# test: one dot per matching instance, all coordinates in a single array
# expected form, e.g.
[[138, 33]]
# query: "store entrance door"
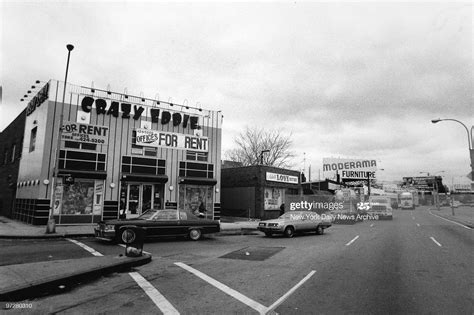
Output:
[[141, 197]]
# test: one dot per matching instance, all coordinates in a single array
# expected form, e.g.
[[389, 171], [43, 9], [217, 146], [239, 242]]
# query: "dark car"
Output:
[[155, 223]]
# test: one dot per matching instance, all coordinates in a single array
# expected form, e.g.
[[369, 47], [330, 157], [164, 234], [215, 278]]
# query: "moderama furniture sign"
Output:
[[349, 168]]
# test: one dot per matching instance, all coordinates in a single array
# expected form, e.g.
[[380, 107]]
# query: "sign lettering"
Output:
[[126, 110], [282, 178], [73, 131], [154, 138]]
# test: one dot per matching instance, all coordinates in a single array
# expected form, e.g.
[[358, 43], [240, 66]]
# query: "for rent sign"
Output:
[[73, 131], [161, 139]]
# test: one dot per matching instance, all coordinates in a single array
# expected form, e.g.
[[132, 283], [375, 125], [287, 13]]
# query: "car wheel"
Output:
[[289, 231], [128, 236], [319, 230], [195, 234], [268, 234]]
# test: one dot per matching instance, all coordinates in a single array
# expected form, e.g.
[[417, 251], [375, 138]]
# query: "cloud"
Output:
[[346, 79]]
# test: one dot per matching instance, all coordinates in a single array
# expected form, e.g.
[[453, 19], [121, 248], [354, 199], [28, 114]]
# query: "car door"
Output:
[[165, 223], [309, 222]]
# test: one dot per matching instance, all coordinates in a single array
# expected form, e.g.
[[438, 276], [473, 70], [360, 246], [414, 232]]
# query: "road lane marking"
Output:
[[290, 292], [157, 298], [124, 246], [353, 240], [224, 288], [160, 301], [466, 227], [87, 248], [436, 242]]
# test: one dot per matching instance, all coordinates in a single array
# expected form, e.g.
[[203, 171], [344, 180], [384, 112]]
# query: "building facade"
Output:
[[257, 191], [11, 148], [119, 155]]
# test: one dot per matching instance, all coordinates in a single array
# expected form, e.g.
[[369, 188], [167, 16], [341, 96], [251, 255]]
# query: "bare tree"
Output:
[[253, 141]]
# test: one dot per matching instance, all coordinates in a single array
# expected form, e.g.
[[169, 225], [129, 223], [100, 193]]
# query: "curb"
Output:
[[447, 217], [454, 219], [240, 231], [47, 236], [41, 287]]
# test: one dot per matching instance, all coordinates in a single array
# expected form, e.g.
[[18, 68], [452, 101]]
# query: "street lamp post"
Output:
[[469, 140], [51, 226]]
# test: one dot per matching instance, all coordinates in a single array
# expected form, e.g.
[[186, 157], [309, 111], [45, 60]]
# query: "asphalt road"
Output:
[[416, 263]]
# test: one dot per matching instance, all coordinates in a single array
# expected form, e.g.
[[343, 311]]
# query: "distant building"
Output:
[[257, 191], [119, 155]]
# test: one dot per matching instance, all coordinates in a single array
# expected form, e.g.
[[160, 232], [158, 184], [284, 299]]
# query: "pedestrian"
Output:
[[282, 209]]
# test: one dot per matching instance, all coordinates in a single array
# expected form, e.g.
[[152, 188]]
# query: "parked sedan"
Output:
[[294, 222], [154, 223]]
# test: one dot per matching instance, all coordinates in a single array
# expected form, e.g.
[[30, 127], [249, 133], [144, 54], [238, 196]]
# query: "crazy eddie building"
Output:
[[119, 155]]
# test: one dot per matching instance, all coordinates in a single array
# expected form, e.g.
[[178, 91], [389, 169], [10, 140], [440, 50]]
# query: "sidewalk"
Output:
[[26, 281], [15, 229], [463, 214]]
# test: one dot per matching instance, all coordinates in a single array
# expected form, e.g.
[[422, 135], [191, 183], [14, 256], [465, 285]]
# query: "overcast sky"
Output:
[[347, 79]]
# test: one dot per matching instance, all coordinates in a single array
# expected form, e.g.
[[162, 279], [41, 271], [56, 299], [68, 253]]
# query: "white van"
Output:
[[406, 200]]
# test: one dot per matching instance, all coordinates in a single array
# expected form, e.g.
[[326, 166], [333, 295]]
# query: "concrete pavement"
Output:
[[23, 281]]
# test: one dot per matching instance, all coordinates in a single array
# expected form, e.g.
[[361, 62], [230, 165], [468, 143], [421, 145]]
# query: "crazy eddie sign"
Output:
[[160, 139]]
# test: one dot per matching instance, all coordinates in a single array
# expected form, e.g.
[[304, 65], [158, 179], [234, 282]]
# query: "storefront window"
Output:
[[273, 198], [196, 199], [78, 197]]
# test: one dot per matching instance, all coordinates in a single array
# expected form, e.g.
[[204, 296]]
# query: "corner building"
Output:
[[119, 156]]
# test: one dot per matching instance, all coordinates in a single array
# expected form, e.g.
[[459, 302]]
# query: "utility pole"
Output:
[[51, 225]]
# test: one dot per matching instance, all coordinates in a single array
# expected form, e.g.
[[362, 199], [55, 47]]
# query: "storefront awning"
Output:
[[197, 181], [83, 174], [144, 178]]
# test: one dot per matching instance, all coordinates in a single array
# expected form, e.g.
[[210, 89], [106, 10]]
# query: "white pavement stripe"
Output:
[[123, 245], [160, 301], [233, 293], [353, 240], [84, 246], [287, 294], [436, 242], [466, 227]]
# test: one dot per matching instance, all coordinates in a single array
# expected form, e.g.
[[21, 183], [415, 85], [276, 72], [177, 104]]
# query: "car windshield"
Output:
[[380, 200], [149, 214], [291, 215]]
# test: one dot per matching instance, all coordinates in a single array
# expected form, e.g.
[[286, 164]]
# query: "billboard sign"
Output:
[[349, 168]]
